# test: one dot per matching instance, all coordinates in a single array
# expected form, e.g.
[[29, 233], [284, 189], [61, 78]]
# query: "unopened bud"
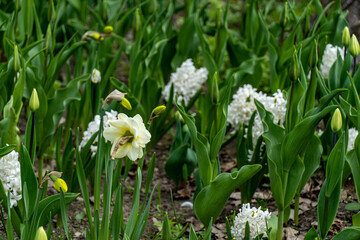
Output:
[[16, 59], [34, 101], [294, 67], [159, 109], [214, 94], [95, 76], [336, 121], [354, 48], [41, 234], [137, 19], [346, 37], [59, 183], [48, 43], [126, 104], [284, 15], [313, 55], [115, 95], [108, 29], [51, 11]]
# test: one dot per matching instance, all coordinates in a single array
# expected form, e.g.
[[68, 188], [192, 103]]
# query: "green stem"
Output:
[[32, 136], [280, 225], [40, 166], [296, 209], [98, 165]]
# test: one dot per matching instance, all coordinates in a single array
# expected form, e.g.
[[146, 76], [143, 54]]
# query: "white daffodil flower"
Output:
[[128, 136]]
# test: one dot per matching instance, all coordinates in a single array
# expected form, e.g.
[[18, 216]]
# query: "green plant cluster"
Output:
[[65, 64]]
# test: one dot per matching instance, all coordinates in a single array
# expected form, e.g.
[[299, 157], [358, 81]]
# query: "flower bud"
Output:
[[313, 55], [354, 48], [48, 43], [126, 104], [346, 37], [34, 101], [137, 19], [51, 11], [95, 76], [108, 29], [214, 93], [41, 234], [284, 15], [59, 183], [159, 109], [16, 59], [336, 121], [294, 67], [115, 95]]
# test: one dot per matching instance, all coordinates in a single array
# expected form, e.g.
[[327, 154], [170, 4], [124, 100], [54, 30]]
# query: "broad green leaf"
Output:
[[202, 147], [273, 136], [311, 160], [296, 140], [51, 206], [351, 233], [311, 234], [335, 165], [354, 163], [211, 200], [327, 208], [356, 220], [295, 173], [28, 176]]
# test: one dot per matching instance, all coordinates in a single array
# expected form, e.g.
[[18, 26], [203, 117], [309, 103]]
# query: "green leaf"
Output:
[[51, 206], [296, 140], [273, 136], [211, 200], [6, 150], [335, 165], [202, 147], [356, 220], [327, 208], [351, 233], [311, 160], [311, 234], [28, 176], [352, 206], [166, 230]]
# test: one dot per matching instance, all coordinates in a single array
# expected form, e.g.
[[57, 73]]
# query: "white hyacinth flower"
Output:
[[328, 59], [94, 126], [128, 136], [353, 133], [256, 219], [187, 80], [95, 76], [243, 106], [10, 176]]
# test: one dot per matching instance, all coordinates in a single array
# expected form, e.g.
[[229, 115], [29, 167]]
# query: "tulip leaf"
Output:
[[296, 140], [311, 160], [327, 207], [211, 200], [202, 147], [335, 165], [273, 136], [295, 173], [354, 164]]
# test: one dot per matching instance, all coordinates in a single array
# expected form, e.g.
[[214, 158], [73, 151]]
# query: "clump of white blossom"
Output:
[[10, 176], [256, 219], [328, 59], [94, 126], [187, 80], [243, 106], [353, 133]]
